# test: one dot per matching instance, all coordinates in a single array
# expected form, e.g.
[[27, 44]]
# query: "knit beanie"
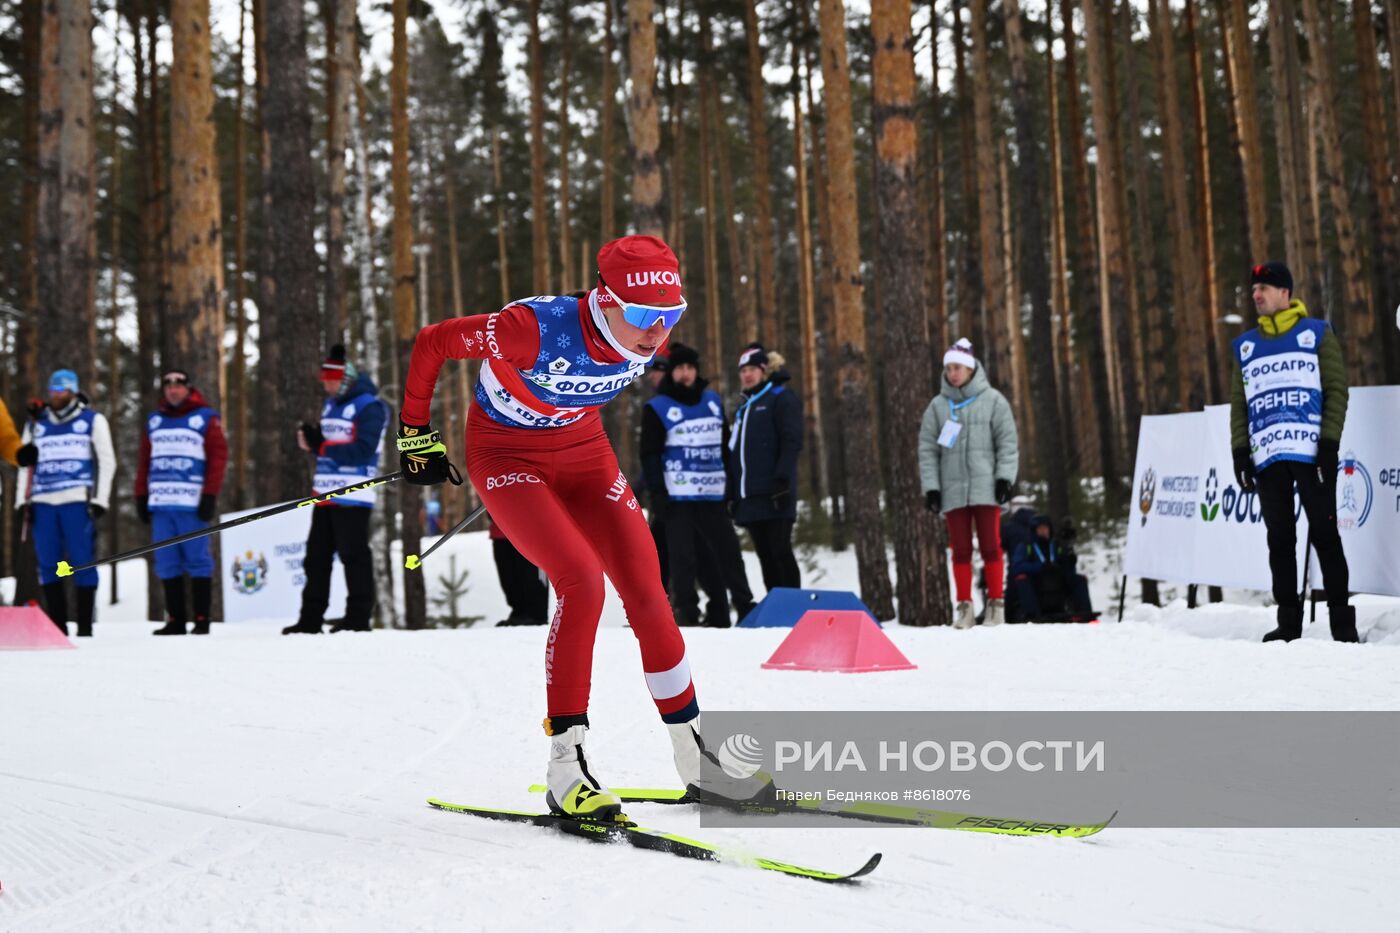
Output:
[[961, 353]]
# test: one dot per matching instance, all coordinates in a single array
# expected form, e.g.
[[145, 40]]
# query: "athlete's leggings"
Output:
[[571, 513], [988, 521]]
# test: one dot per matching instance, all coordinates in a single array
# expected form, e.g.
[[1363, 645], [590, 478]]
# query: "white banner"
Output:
[[1190, 523], [262, 570]]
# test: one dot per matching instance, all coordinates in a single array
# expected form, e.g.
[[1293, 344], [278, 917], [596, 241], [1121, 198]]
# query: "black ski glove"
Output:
[[933, 501], [1244, 469], [143, 511], [1003, 491], [207, 503], [96, 511], [27, 456], [1327, 462], [36, 408], [781, 496], [660, 503], [423, 457], [312, 435], [731, 506]]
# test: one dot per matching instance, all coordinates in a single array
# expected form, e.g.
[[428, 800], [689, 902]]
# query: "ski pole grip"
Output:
[[419, 442], [64, 569]]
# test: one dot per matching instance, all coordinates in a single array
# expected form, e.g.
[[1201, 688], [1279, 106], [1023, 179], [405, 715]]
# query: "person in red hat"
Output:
[[547, 473]]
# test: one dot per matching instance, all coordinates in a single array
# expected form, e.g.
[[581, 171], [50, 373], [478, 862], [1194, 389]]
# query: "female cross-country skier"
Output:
[[547, 473]]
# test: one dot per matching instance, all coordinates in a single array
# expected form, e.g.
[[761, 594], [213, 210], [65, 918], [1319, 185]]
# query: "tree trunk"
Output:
[[1358, 328], [819, 482], [858, 442], [1208, 311], [644, 124], [714, 345], [995, 351], [271, 407], [825, 313], [970, 285], [747, 326], [362, 229], [1035, 276], [920, 569], [766, 246], [1059, 277], [1117, 323], [606, 195], [1240, 60], [291, 190], [541, 273], [196, 320], [1384, 223], [114, 307], [405, 279], [567, 280], [935, 219], [67, 228], [1290, 134], [236, 405], [1186, 286], [340, 42], [1084, 261]]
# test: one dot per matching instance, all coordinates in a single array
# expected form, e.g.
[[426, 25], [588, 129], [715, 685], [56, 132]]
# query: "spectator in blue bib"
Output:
[[179, 472], [1288, 403], [65, 492], [347, 445], [684, 433]]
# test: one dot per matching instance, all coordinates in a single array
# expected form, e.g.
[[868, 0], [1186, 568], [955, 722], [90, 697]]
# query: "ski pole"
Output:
[[414, 561], [65, 570]]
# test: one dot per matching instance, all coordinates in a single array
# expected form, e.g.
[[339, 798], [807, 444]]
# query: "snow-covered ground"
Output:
[[248, 781]]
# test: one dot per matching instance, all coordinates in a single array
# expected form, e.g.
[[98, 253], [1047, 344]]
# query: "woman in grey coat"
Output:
[[967, 460]]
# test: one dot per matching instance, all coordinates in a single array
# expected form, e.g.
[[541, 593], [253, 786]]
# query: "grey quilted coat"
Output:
[[984, 452]]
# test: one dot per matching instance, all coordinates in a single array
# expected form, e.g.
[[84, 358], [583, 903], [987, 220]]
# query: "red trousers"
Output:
[[988, 521], [559, 496]]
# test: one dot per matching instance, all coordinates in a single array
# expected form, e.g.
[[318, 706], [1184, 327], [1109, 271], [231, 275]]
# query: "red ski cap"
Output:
[[641, 270]]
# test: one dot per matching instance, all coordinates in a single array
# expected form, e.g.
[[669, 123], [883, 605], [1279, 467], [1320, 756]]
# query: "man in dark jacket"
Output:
[[684, 432], [178, 476], [1288, 403], [1045, 574], [762, 463], [347, 445]]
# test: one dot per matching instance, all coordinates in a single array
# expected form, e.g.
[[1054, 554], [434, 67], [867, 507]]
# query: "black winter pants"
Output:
[[700, 534], [343, 530], [772, 539], [1275, 486], [525, 589]]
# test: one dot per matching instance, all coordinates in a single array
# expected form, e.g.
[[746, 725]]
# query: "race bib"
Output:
[[949, 435]]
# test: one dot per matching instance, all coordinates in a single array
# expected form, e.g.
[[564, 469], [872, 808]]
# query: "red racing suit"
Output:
[[556, 490]]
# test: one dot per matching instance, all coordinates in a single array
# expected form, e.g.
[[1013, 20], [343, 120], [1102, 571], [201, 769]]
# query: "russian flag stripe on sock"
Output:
[[667, 684]]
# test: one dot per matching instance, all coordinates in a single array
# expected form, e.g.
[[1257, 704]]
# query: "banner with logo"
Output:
[[1191, 523], [262, 573], [1368, 491]]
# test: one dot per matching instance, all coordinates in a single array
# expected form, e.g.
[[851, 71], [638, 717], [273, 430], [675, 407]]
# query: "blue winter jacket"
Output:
[[764, 442]]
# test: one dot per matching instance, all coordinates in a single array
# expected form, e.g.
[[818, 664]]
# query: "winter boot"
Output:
[[1343, 620], [56, 605], [1290, 624], [964, 617], [303, 628], [996, 612], [203, 603], [573, 790], [717, 615], [87, 608], [703, 776], [176, 613]]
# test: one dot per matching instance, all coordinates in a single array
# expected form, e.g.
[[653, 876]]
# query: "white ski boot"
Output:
[[996, 612], [573, 790], [964, 617], [704, 778]]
